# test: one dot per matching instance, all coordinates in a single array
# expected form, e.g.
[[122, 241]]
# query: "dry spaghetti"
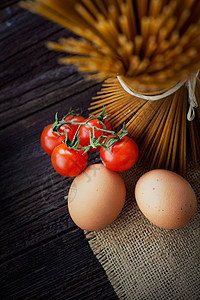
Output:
[[152, 45]]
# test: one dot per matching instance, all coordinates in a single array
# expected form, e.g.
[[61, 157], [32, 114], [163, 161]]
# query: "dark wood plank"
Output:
[[43, 190], [29, 84], [44, 255], [7, 3], [41, 199], [55, 270]]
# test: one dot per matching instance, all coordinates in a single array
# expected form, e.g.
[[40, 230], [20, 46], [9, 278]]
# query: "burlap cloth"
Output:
[[143, 261]]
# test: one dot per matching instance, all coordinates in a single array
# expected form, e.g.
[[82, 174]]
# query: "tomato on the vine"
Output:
[[76, 119], [124, 154], [49, 139], [84, 132], [68, 162]]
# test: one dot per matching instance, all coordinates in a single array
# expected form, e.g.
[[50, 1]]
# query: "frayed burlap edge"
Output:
[[104, 261], [101, 243]]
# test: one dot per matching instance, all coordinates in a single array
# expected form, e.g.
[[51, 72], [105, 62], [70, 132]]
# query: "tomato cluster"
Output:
[[69, 140]]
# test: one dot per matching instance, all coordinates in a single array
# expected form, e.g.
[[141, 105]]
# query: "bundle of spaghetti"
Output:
[[151, 45], [160, 127], [146, 40]]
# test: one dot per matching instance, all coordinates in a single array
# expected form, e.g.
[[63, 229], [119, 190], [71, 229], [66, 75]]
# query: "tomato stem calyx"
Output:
[[72, 113], [110, 141], [57, 125], [101, 117], [74, 144]]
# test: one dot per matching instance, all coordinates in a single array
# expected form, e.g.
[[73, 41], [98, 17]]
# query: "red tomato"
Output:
[[108, 127], [68, 162], [49, 139], [77, 119], [124, 155], [84, 132]]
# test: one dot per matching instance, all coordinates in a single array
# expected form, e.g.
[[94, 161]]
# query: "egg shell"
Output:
[[96, 197], [166, 198]]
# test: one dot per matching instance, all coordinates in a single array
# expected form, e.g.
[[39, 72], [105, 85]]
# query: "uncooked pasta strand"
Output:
[[183, 139], [168, 133], [153, 134], [162, 140], [91, 7], [155, 7], [150, 46], [177, 126], [49, 14], [102, 7], [142, 6], [132, 19]]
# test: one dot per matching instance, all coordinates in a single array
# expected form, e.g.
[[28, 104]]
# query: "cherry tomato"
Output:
[[108, 127], [49, 139], [68, 162], [84, 132], [77, 119], [124, 155]]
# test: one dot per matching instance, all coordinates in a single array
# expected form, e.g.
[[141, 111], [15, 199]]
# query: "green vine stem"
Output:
[[103, 141]]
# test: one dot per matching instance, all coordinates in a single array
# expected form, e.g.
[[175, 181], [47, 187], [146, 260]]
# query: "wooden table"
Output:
[[44, 255]]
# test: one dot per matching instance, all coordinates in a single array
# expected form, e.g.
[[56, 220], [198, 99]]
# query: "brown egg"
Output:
[[166, 198], [96, 197]]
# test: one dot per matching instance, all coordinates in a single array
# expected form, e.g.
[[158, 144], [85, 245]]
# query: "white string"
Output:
[[190, 84]]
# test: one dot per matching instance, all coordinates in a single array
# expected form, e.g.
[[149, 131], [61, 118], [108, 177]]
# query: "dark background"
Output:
[[44, 255]]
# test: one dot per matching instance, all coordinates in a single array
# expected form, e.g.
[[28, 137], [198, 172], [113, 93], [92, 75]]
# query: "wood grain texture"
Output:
[[43, 254]]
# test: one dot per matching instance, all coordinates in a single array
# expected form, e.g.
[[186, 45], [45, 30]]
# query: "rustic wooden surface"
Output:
[[44, 255]]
